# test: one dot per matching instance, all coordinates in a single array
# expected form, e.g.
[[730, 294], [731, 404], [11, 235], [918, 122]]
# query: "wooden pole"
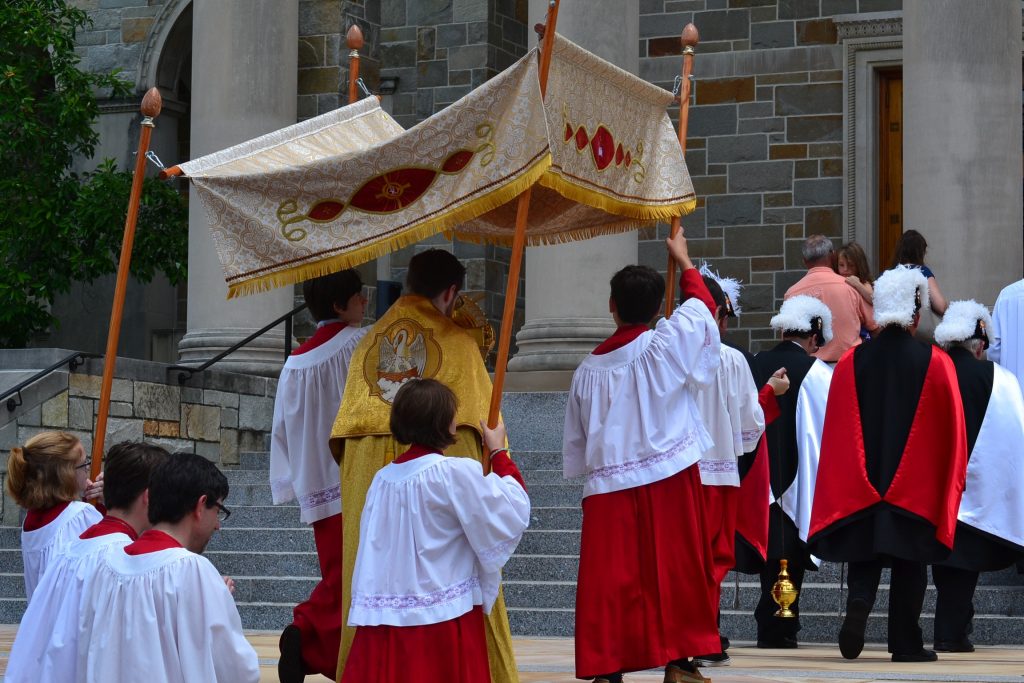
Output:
[[151, 105], [354, 40], [519, 238], [689, 38]]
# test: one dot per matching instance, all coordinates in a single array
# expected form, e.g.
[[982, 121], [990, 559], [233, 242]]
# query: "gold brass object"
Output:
[[784, 592], [468, 315]]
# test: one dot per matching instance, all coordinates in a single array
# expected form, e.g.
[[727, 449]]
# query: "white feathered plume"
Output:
[[961, 320], [894, 295], [797, 313]]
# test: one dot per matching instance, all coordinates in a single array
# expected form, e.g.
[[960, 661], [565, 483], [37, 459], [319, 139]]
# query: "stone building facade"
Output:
[[781, 136]]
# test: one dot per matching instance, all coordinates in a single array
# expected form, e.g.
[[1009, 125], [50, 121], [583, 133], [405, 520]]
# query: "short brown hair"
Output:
[[422, 413], [41, 473], [126, 472]]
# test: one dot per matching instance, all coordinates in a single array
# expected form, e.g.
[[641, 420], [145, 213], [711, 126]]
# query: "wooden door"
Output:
[[890, 162]]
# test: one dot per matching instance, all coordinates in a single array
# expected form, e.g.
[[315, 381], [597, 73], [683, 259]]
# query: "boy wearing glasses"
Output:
[[157, 610]]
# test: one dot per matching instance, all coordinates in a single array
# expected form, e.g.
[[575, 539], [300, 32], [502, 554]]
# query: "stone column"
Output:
[[567, 285], [244, 62], [962, 141]]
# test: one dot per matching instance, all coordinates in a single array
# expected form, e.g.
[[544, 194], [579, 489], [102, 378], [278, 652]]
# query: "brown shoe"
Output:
[[673, 674]]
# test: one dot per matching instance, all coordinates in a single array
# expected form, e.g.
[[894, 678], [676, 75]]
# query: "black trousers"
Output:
[[771, 628], [906, 598], [954, 602]]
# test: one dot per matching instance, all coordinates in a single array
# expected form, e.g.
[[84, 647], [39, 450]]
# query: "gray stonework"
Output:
[[148, 404]]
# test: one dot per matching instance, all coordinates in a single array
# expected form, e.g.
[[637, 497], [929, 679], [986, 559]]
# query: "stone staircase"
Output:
[[272, 557]]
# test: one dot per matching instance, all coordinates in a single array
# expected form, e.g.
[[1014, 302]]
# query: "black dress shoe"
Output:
[[964, 645], [851, 635], [922, 656], [289, 666], [784, 643]]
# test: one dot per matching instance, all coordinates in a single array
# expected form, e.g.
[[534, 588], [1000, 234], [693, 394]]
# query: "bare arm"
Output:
[[866, 291], [938, 302]]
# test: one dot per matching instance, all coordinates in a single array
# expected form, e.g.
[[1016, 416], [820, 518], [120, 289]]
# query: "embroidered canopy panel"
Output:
[[343, 188]]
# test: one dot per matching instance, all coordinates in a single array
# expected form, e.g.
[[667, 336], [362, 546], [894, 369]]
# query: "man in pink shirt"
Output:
[[849, 311]]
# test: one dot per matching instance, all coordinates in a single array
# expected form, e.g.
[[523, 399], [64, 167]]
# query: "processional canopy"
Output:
[[340, 189]]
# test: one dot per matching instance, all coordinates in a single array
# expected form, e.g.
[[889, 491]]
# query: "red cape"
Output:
[[752, 513], [923, 485]]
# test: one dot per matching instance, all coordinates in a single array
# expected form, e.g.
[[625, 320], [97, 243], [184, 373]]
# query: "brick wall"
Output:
[[765, 136]]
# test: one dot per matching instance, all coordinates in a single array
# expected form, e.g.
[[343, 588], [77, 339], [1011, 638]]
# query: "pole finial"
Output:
[[152, 103], [690, 36], [354, 38]]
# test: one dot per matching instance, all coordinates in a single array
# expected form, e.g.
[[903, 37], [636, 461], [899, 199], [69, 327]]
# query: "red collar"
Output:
[[151, 541], [622, 336], [415, 451], [37, 519], [110, 525], [321, 336]]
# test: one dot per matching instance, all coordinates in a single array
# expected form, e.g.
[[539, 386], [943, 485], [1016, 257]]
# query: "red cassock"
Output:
[[645, 592], [319, 616], [752, 510], [928, 480], [410, 653]]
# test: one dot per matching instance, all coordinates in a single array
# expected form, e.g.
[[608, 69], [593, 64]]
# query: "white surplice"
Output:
[[631, 418], [46, 646], [433, 538], [39, 546], [812, 397], [1007, 334], [161, 617], [733, 417], [993, 499], [308, 396]]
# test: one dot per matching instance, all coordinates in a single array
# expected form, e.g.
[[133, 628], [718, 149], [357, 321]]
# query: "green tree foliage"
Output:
[[58, 227]]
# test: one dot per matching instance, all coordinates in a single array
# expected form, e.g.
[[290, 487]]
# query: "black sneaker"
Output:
[[851, 635], [964, 645], [784, 643], [725, 643], [720, 659], [922, 656], [289, 666]]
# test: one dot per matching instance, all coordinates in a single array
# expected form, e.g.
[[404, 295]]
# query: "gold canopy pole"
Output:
[[519, 238], [689, 38], [151, 105], [354, 41]]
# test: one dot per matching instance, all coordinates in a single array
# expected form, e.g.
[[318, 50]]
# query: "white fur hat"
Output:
[[799, 314], [964, 320], [730, 286], [894, 298]]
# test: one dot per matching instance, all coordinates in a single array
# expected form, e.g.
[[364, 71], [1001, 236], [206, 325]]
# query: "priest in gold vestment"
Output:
[[415, 338]]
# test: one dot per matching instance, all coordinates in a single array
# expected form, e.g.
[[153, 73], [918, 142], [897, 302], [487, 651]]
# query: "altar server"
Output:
[[990, 523], [156, 610], [48, 477], [434, 535], [645, 594], [46, 646], [301, 466]]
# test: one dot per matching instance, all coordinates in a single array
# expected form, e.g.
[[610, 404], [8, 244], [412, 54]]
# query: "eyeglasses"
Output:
[[222, 512], [85, 465]]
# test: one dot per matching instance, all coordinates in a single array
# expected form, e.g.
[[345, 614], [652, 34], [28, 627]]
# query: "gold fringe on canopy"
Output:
[[349, 186]]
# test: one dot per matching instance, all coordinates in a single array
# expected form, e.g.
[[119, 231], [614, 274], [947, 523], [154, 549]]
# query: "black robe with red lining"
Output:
[[894, 454]]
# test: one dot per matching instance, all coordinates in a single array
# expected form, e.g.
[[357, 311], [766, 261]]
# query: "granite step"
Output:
[[278, 589], [265, 616], [538, 542], [264, 563], [256, 540], [556, 518], [548, 477], [816, 627], [989, 600], [264, 516]]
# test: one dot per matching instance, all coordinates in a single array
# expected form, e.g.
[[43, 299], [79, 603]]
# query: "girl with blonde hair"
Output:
[[48, 476]]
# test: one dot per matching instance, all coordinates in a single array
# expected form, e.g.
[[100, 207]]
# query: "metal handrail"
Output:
[[71, 360], [186, 371]]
